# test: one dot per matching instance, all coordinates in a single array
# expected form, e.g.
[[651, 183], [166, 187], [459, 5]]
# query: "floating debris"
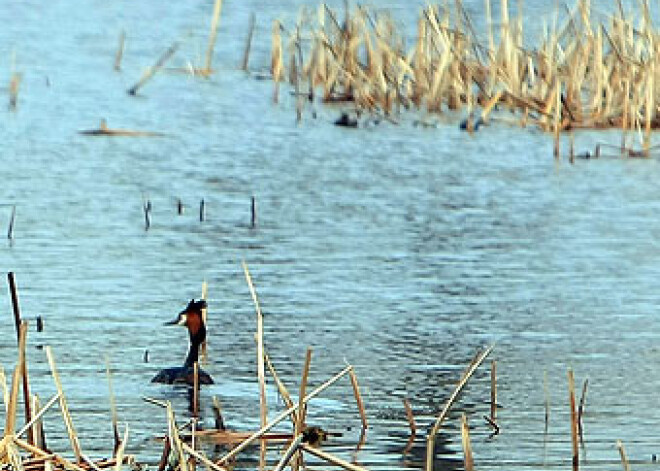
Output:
[[104, 130]]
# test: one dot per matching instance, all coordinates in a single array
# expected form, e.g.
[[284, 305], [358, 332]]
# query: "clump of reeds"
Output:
[[593, 72]]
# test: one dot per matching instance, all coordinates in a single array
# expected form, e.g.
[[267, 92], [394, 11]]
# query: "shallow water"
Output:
[[398, 249]]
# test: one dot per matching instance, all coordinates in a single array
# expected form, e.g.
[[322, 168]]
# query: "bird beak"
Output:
[[181, 319]]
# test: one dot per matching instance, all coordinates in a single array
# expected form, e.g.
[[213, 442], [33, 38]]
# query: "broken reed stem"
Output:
[[468, 461], [63, 406], [120, 50], [291, 449], [217, 8], [574, 425], [248, 43], [14, 84], [253, 213], [12, 219], [113, 408], [493, 391], [546, 402], [13, 291], [282, 416], [205, 294], [410, 416], [430, 440], [358, 399], [331, 458], [151, 71], [580, 412], [622, 453]]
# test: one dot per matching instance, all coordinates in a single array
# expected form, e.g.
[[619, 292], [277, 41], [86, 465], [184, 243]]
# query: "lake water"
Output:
[[397, 249]]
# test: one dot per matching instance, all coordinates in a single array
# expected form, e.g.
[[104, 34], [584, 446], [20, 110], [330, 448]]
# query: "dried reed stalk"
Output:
[[5, 389], [358, 399], [113, 408], [622, 453], [261, 374], [580, 411], [300, 420], [574, 424], [468, 461], [153, 70], [217, 9], [430, 440], [71, 431], [205, 294]]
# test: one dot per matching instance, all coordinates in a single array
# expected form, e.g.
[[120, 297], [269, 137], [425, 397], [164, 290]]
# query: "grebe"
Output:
[[191, 318]]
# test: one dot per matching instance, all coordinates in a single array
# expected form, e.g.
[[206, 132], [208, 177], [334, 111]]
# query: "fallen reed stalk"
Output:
[[430, 440], [331, 458], [153, 70]]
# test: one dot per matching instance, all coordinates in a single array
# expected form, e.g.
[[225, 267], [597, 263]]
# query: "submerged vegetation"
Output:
[[588, 71]]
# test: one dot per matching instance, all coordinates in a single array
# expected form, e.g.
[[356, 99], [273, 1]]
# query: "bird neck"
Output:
[[196, 339]]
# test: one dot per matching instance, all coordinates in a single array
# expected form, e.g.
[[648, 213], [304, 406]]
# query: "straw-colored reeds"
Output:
[[593, 72]]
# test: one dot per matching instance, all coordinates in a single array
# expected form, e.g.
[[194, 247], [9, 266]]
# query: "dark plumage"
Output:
[[191, 318]]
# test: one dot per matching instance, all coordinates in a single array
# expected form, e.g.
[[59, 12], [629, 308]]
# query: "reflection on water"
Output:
[[400, 250]]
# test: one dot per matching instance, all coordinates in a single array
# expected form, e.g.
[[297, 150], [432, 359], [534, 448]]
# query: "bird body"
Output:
[[191, 318]]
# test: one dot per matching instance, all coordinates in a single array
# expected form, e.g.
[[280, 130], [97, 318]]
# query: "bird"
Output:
[[191, 318]]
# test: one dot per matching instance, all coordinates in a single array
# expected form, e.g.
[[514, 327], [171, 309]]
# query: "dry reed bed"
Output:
[[590, 71], [26, 450]]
